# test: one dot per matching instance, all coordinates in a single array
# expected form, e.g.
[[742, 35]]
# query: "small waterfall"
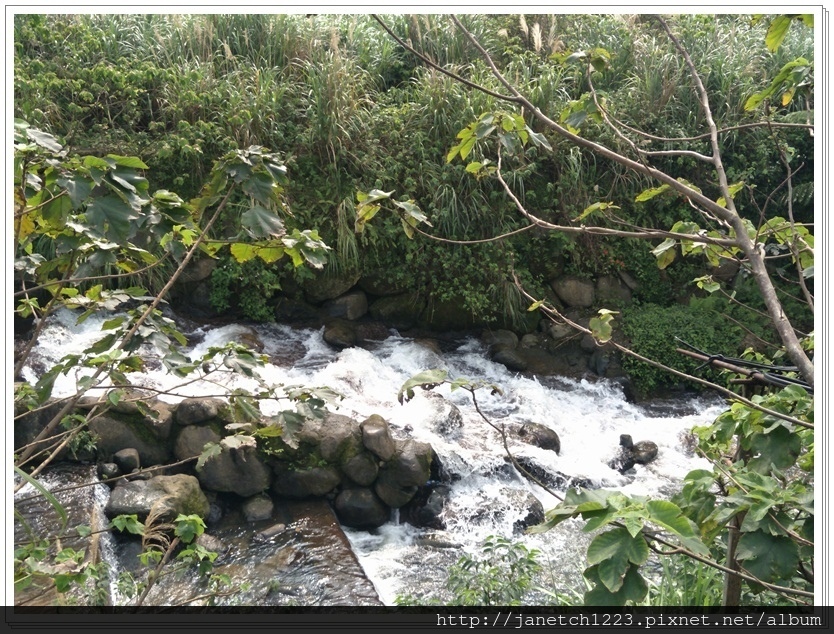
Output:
[[486, 496]]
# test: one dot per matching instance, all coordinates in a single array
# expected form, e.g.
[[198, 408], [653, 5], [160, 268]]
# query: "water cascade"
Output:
[[486, 496]]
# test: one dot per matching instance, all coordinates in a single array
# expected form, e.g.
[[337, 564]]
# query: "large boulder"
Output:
[[115, 432], [236, 469], [304, 483], [449, 316], [376, 436], [340, 334], [502, 338], [425, 509], [528, 507], [193, 411], [574, 291], [293, 310], [360, 508], [445, 418], [350, 306], [330, 286], [169, 495], [612, 290], [630, 453], [361, 468], [539, 435], [401, 476], [257, 508], [510, 358], [192, 440]]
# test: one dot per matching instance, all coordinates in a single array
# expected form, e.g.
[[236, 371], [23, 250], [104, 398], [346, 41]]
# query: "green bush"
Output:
[[245, 288], [656, 331], [502, 574]]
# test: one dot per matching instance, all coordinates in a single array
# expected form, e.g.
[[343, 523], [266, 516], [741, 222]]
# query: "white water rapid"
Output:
[[487, 497]]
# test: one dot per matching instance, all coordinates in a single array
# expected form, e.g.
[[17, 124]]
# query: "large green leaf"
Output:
[[261, 223], [777, 31], [112, 216], [768, 557], [633, 588], [614, 551], [780, 448], [426, 380]]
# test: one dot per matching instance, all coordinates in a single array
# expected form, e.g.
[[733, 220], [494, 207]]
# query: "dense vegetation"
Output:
[[349, 110], [346, 110]]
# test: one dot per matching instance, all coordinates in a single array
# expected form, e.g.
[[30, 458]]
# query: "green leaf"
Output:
[[112, 216], [776, 32], [262, 188], [128, 161], [734, 189], [188, 527], [44, 139], [426, 380], [614, 550], [777, 449], [648, 194], [210, 450], [633, 588], [770, 558], [53, 501], [129, 523], [665, 253], [599, 206], [261, 223], [242, 251]]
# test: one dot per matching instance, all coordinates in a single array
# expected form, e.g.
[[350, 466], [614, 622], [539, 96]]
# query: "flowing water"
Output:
[[487, 497]]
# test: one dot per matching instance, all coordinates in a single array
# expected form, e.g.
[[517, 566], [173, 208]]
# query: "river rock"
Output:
[[193, 411], [249, 338], [171, 495], [504, 338], [631, 453], [426, 508], [304, 483], [336, 436], [528, 507], [236, 469], [192, 440], [401, 476], [574, 291], [330, 286], [115, 432], [257, 508], [350, 306], [107, 470], [541, 436], [553, 479], [360, 508], [509, 358], [340, 334], [376, 436], [212, 543], [611, 290], [293, 310], [361, 468], [127, 460], [270, 532], [445, 418]]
